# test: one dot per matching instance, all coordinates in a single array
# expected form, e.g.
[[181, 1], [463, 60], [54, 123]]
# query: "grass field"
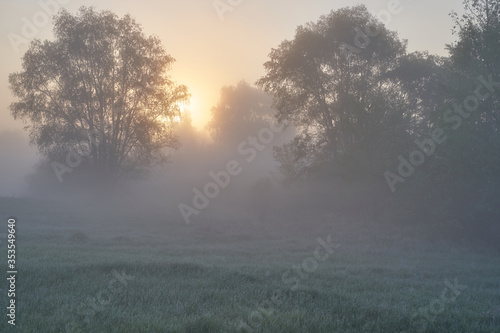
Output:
[[135, 272]]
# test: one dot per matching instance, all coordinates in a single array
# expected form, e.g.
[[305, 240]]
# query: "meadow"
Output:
[[139, 272]]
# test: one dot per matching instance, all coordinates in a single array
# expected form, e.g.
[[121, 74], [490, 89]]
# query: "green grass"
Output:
[[202, 279]]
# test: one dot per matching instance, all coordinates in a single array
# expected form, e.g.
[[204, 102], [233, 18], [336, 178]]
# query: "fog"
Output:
[[251, 167], [18, 160], [262, 151]]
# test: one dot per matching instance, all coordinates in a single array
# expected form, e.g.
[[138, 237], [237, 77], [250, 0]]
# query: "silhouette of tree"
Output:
[[331, 81], [242, 110], [476, 51], [102, 75], [470, 177]]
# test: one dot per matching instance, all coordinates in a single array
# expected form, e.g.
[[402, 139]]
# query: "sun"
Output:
[[196, 109], [183, 107]]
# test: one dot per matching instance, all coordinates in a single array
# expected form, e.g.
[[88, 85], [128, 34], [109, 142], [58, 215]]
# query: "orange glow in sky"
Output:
[[213, 50]]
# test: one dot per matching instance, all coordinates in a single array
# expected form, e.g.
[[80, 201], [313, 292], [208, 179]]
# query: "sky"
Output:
[[211, 49]]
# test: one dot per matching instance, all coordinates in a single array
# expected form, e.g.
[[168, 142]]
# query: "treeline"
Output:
[[392, 135], [380, 133]]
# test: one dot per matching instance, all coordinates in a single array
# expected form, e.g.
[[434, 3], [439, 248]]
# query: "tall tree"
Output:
[[478, 32], [476, 51], [100, 74], [457, 188], [331, 81], [473, 151]]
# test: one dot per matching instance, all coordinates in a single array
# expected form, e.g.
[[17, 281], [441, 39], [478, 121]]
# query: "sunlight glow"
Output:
[[197, 109]]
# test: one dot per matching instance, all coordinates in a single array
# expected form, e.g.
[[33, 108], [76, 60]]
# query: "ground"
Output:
[[139, 272]]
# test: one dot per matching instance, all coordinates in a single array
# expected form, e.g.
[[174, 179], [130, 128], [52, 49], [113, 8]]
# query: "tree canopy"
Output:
[[242, 110], [344, 103], [364, 106], [101, 74]]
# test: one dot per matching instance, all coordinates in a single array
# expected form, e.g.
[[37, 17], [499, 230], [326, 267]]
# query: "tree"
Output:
[[349, 112], [457, 189], [242, 110], [101, 75], [472, 173], [478, 32], [476, 51]]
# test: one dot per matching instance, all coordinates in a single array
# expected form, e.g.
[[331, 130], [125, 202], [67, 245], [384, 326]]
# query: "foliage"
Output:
[[242, 110], [358, 108], [100, 74], [344, 103]]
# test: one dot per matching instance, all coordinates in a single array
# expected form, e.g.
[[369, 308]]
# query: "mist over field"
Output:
[[246, 166]]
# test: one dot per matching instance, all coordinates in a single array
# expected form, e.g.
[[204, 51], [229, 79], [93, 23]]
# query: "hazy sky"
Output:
[[211, 52]]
